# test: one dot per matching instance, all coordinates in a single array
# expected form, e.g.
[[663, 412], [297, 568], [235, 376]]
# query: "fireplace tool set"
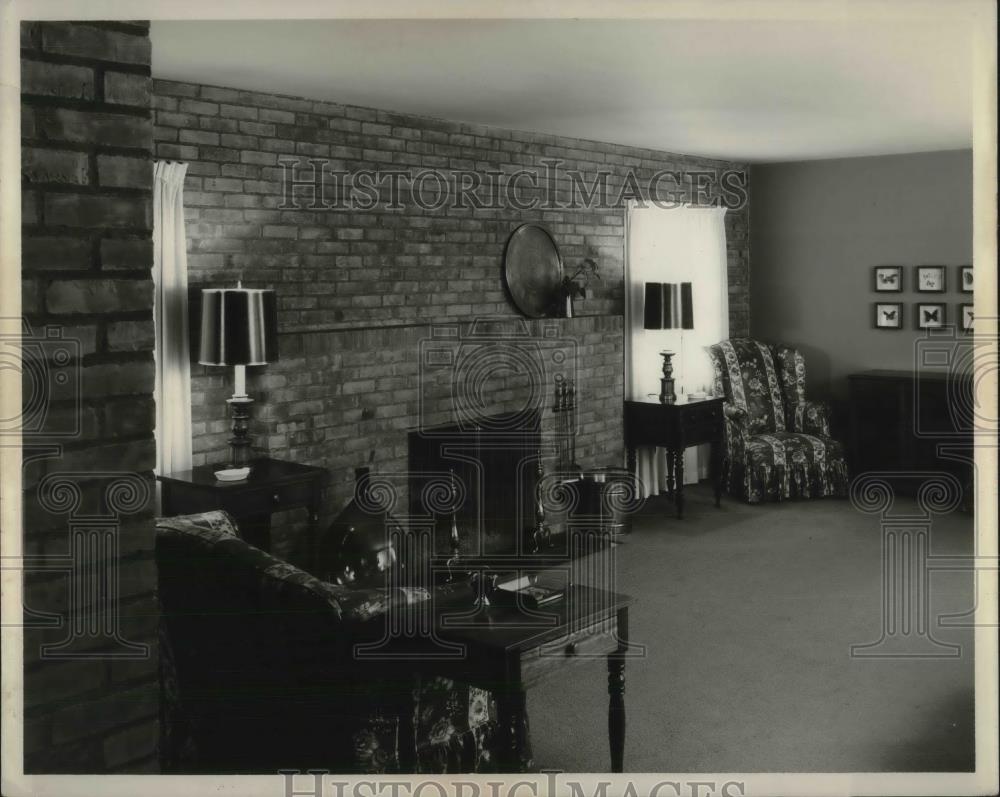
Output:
[[541, 533], [454, 540], [564, 410]]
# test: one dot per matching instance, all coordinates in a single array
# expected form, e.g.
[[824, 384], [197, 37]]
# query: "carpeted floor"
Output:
[[748, 615]]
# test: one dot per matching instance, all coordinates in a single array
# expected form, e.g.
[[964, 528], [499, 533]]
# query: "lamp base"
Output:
[[667, 394], [240, 443]]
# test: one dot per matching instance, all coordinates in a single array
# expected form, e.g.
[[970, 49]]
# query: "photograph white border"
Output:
[[984, 260]]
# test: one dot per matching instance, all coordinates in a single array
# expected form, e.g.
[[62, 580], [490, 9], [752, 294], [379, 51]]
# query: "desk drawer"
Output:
[[701, 423], [595, 641], [265, 501]]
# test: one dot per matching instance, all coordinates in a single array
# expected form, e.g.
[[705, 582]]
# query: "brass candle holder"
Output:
[[667, 394]]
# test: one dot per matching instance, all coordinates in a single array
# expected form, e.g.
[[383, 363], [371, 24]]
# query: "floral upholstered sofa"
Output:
[[257, 670], [778, 444]]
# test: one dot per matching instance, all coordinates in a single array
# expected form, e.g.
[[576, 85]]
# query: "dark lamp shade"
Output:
[[239, 326], [668, 305]]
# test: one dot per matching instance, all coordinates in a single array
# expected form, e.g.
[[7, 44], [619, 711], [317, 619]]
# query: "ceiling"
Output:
[[755, 90]]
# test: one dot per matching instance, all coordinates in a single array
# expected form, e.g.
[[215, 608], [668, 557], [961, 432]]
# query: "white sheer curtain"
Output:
[[170, 318], [679, 244]]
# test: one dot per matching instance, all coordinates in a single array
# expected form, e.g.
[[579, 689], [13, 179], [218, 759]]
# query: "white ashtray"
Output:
[[232, 474]]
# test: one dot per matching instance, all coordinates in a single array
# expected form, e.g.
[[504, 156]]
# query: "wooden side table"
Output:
[[272, 486], [675, 427]]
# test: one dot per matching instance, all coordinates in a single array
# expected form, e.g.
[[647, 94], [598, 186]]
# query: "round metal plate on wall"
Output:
[[533, 271]]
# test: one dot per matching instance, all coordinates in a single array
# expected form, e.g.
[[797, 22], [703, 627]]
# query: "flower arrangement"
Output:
[[572, 289]]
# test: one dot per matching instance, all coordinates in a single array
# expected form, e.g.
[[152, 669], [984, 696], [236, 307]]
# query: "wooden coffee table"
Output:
[[507, 649]]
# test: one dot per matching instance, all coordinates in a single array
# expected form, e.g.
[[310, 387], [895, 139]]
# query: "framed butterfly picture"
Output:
[[965, 317], [965, 279], [887, 279], [888, 315], [930, 316], [930, 279]]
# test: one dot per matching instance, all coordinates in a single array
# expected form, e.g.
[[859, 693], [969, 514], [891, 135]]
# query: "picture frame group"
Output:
[[928, 315], [926, 279]]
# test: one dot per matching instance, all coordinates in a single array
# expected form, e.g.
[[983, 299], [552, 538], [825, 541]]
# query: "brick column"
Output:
[[87, 304]]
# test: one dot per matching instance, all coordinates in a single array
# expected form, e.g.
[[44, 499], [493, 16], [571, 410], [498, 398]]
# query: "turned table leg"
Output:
[[717, 470], [616, 693], [668, 456], [679, 476], [511, 727]]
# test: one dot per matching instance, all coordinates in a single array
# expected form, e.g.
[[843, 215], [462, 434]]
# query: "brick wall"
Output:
[[359, 289], [86, 260]]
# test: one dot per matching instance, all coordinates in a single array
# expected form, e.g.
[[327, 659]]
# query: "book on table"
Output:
[[529, 596]]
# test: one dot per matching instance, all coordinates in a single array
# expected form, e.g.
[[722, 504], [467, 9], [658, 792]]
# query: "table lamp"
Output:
[[668, 305], [238, 328]]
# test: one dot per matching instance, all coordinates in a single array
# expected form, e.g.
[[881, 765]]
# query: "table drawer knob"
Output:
[[276, 498]]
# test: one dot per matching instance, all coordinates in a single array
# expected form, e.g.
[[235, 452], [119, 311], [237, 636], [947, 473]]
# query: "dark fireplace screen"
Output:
[[494, 465]]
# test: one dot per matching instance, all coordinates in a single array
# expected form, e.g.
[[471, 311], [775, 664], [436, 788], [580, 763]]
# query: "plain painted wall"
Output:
[[816, 230]]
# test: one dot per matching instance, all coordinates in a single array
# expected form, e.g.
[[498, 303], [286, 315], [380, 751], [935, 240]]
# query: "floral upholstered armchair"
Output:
[[778, 444], [257, 670]]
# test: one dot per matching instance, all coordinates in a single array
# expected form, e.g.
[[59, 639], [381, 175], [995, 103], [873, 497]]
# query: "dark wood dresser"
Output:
[[910, 421]]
